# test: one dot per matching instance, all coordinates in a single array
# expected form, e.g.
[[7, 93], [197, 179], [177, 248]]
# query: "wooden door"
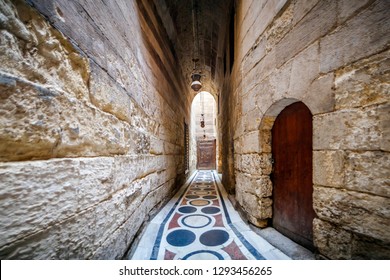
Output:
[[292, 143], [206, 154]]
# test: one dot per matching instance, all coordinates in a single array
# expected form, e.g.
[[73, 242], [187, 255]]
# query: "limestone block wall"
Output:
[[92, 117], [333, 56]]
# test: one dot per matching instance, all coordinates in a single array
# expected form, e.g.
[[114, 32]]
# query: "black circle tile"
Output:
[[214, 237], [210, 210], [181, 237], [209, 197], [187, 209], [191, 196]]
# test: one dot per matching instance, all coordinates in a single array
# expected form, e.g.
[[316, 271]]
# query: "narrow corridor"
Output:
[[108, 108], [199, 222]]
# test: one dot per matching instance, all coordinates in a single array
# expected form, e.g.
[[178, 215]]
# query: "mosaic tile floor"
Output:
[[200, 223]]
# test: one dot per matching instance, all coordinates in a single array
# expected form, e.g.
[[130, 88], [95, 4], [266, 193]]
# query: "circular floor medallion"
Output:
[[209, 197], [191, 196], [201, 192], [214, 237], [211, 210], [187, 209], [196, 221], [181, 237], [199, 202], [203, 255]]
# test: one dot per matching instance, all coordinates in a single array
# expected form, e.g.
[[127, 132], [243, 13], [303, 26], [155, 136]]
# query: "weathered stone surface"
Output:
[[363, 83], [332, 241], [301, 8], [249, 102], [348, 8], [336, 243], [44, 122], [331, 55], [280, 26], [368, 172], [248, 13], [304, 70], [318, 52], [362, 213], [257, 53], [252, 120], [109, 97], [318, 22], [79, 236], [328, 168], [70, 208], [257, 208], [261, 223], [354, 129], [32, 49], [115, 246], [263, 18], [265, 133], [47, 192], [74, 208], [60, 241], [351, 42], [365, 248], [280, 81], [250, 142], [259, 186], [156, 146], [254, 164], [320, 97], [258, 73], [240, 127], [244, 15]]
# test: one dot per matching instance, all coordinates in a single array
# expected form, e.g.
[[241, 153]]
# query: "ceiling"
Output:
[[179, 18]]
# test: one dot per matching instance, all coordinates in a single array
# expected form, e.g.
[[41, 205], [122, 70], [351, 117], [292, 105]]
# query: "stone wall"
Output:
[[92, 126], [334, 57]]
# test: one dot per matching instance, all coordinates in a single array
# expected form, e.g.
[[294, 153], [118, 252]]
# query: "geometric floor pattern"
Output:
[[199, 223]]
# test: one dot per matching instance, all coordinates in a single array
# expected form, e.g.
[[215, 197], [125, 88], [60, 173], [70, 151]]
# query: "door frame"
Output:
[[198, 143], [291, 213]]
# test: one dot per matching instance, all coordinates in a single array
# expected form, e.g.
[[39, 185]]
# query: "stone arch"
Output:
[[195, 123], [268, 120], [265, 141]]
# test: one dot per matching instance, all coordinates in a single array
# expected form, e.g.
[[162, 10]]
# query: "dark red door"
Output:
[[292, 147], [206, 154]]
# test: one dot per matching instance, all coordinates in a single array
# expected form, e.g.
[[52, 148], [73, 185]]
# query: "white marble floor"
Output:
[[199, 222]]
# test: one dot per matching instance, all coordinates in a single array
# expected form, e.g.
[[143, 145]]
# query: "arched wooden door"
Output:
[[206, 154], [292, 147]]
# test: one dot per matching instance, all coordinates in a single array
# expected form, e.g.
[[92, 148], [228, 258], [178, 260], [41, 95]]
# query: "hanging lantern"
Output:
[[202, 124], [202, 120], [196, 84]]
